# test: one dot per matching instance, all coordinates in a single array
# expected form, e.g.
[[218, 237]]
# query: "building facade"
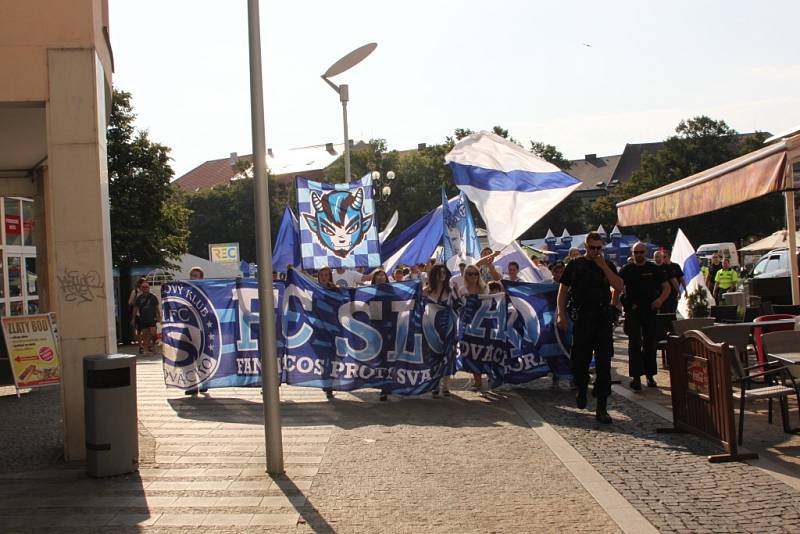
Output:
[[55, 100]]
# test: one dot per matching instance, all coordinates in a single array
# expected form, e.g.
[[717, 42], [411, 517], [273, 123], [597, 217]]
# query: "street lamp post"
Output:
[[381, 186], [348, 61], [267, 340]]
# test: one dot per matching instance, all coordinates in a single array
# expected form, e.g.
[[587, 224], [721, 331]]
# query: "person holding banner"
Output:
[[325, 279], [437, 289], [486, 264], [379, 277], [474, 285], [585, 294]]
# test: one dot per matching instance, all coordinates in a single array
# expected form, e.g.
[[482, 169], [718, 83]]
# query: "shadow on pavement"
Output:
[[487, 410], [309, 515]]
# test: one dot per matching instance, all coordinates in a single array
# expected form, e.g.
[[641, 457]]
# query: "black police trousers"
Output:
[[591, 336], [640, 325]]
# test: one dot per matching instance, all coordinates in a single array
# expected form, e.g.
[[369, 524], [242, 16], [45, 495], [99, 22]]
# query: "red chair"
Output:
[[758, 331]]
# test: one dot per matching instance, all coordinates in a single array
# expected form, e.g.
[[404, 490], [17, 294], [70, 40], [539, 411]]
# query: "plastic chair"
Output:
[[724, 314], [750, 313], [783, 341], [773, 385], [663, 327], [681, 326], [737, 336], [759, 331], [792, 309]]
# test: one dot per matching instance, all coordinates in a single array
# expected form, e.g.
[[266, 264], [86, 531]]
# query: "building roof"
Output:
[[593, 170], [309, 161]]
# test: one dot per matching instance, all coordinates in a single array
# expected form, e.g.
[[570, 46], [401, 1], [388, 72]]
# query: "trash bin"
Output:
[[112, 440]]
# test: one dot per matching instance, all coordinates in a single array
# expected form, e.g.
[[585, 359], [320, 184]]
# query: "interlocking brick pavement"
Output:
[[464, 464], [667, 476]]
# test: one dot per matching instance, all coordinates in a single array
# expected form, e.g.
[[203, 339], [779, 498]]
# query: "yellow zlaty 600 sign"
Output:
[[32, 350]]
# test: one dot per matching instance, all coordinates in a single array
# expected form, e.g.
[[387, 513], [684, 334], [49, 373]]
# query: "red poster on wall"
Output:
[[13, 226]]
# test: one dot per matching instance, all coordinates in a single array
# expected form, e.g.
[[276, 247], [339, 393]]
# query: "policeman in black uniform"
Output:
[[585, 294], [646, 289]]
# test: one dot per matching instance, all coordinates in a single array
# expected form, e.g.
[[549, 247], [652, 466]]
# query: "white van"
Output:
[[725, 250]]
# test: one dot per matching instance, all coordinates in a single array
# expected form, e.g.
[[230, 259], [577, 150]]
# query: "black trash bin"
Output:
[[112, 441]]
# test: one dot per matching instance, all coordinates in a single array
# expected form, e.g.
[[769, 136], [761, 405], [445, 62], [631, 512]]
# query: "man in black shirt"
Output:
[[585, 295], [147, 313], [645, 292], [673, 274]]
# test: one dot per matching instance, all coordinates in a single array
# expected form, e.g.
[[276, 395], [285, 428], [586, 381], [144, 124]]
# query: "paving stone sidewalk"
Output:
[[462, 464], [667, 476]]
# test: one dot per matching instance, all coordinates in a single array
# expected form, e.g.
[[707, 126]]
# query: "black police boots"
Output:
[[602, 414], [580, 399]]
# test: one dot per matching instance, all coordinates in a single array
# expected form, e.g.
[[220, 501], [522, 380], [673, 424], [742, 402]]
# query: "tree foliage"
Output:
[[226, 214], [148, 218]]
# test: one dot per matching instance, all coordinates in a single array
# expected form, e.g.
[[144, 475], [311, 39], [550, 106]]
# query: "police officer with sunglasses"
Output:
[[584, 295]]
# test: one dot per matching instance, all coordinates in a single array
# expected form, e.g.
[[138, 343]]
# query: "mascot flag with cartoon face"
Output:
[[337, 224]]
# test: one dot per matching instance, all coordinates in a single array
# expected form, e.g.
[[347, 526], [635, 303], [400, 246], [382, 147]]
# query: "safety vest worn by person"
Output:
[[726, 278]]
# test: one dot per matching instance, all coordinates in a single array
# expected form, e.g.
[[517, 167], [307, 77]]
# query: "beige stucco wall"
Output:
[[54, 54], [28, 28]]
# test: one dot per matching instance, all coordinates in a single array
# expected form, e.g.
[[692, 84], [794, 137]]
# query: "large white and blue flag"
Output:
[[683, 254], [459, 240], [511, 187]]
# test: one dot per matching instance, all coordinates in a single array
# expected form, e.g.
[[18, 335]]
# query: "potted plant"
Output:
[[698, 303]]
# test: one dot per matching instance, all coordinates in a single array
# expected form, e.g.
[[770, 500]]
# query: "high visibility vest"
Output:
[[726, 278]]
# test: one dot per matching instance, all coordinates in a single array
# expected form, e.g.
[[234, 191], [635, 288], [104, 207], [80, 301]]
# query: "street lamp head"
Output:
[[390, 175], [386, 191], [350, 60], [376, 176]]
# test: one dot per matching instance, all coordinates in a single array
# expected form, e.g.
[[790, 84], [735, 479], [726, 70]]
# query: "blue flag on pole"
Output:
[[337, 224], [459, 240], [287, 243]]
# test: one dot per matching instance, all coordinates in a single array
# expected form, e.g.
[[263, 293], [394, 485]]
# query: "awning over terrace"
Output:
[[747, 177]]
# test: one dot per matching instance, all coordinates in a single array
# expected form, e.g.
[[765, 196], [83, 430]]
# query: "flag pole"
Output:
[[267, 339]]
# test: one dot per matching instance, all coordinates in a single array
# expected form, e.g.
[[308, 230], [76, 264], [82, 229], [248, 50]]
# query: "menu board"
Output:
[[32, 350]]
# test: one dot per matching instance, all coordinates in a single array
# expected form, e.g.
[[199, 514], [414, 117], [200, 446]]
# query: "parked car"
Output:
[[773, 264], [769, 277], [725, 250]]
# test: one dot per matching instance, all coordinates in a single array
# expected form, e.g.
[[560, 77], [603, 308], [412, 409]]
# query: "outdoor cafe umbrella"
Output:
[[777, 240]]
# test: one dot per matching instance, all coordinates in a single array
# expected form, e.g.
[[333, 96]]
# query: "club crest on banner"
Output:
[[190, 336], [337, 224]]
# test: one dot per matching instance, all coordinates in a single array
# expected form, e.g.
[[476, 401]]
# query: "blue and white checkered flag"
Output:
[[337, 224]]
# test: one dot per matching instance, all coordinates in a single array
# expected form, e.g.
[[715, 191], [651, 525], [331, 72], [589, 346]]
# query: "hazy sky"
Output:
[[441, 65]]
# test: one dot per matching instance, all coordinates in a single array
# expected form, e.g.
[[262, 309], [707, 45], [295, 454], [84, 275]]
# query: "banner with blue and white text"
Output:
[[387, 336]]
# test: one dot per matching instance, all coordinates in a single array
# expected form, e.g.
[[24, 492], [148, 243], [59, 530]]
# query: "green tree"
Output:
[[226, 213], [148, 216], [699, 144]]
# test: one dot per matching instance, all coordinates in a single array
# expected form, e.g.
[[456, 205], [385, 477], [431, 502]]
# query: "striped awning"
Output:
[[739, 180]]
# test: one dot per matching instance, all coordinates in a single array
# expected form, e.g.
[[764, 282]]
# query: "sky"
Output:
[[441, 65]]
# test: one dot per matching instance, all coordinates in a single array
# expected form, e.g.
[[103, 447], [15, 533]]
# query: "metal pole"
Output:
[[269, 363], [344, 96], [791, 228]]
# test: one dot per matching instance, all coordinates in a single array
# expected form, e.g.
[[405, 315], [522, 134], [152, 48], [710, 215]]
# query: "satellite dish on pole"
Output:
[[353, 58]]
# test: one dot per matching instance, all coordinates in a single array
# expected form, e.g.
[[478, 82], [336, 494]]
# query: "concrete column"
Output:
[[78, 231]]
